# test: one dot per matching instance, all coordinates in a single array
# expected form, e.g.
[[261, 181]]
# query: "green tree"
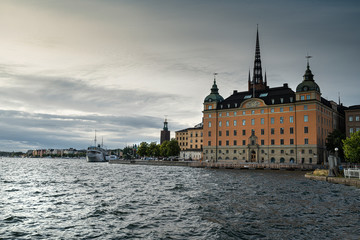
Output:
[[142, 149], [335, 140], [352, 147], [128, 152], [153, 150], [174, 148], [164, 149]]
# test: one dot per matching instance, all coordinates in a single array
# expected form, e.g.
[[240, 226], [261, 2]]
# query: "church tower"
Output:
[[257, 81], [165, 133]]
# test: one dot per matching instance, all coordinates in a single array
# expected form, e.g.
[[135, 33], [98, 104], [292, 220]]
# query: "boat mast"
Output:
[[95, 138]]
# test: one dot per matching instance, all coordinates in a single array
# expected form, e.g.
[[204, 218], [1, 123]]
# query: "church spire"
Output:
[[257, 75], [257, 78]]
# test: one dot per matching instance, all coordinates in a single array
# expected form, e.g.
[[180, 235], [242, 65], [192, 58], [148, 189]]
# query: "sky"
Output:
[[68, 68]]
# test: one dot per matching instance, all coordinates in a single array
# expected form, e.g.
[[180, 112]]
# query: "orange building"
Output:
[[269, 125]]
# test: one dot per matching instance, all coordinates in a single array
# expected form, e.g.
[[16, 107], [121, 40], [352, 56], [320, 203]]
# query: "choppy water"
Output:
[[73, 199]]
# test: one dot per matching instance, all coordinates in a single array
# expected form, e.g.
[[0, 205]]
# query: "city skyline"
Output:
[[68, 68]]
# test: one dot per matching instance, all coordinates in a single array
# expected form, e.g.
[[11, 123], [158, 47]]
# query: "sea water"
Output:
[[74, 199]]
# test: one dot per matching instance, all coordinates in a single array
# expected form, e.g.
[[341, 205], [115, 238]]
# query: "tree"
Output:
[[164, 148], [153, 150], [128, 152], [335, 140], [174, 149], [352, 147], [142, 149]]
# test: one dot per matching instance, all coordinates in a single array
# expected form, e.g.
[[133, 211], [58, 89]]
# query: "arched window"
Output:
[[282, 160], [235, 158], [292, 160], [227, 158], [272, 160], [219, 158]]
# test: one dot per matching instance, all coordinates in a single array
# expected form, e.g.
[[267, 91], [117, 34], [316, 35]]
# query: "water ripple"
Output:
[[72, 199]]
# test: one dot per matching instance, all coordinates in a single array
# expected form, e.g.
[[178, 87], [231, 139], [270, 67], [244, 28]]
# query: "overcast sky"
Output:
[[119, 66]]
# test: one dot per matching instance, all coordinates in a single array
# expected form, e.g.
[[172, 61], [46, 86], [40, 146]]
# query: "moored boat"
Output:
[[96, 153]]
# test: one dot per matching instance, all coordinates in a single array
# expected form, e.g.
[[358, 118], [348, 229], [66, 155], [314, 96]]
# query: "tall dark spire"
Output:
[[257, 74], [257, 82]]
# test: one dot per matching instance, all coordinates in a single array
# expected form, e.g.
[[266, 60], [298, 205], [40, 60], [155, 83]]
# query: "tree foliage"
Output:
[[352, 147], [335, 140], [142, 149], [153, 150]]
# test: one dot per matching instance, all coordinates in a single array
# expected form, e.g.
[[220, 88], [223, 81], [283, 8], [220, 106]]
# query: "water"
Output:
[[73, 199]]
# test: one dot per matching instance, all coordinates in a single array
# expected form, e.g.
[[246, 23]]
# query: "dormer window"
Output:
[[210, 107], [235, 104], [282, 100], [228, 105], [291, 99], [272, 101]]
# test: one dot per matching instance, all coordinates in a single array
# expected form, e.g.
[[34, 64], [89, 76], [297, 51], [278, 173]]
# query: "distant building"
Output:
[[165, 133], [352, 119], [269, 125], [191, 142]]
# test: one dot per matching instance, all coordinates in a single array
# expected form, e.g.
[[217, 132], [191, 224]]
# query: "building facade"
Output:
[[269, 125], [191, 142], [352, 119]]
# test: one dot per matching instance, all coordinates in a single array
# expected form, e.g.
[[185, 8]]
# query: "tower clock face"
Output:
[[306, 88]]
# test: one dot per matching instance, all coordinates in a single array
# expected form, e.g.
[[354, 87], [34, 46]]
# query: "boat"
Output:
[[96, 153]]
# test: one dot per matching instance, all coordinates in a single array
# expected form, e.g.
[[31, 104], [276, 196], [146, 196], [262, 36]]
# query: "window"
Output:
[[282, 141], [219, 133], [252, 111], [244, 112], [272, 151], [262, 131], [263, 94], [272, 142], [291, 130], [247, 97], [357, 118], [272, 101], [227, 123], [350, 118], [281, 119], [227, 114], [210, 107], [281, 109], [272, 131], [306, 118], [291, 119], [351, 130], [220, 124], [209, 143], [306, 141], [220, 114], [272, 110], [281, 130], [235, 106], [227, 143], [262, 111], [306, 130], [302, 97], [291, 141], [227, 132], [272, 120], [243, 122], [262, 142], [282, 151], [291, 109], [281, 100], [252, 131], [244, 143], [209, 133], [235, 122], [235, 132], [305, 107], [209, 115], [219, 143], [253, 121], [243, 132], [307, 97], [291, 99], [272, 160], [262, 121], [209, 124], [234, 150], [235, 143]]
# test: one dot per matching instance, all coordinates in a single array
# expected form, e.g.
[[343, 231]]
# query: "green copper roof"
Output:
[[308, 83], [214, 95]]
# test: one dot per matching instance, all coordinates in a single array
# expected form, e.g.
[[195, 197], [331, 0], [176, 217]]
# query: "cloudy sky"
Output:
[[119, 66]]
